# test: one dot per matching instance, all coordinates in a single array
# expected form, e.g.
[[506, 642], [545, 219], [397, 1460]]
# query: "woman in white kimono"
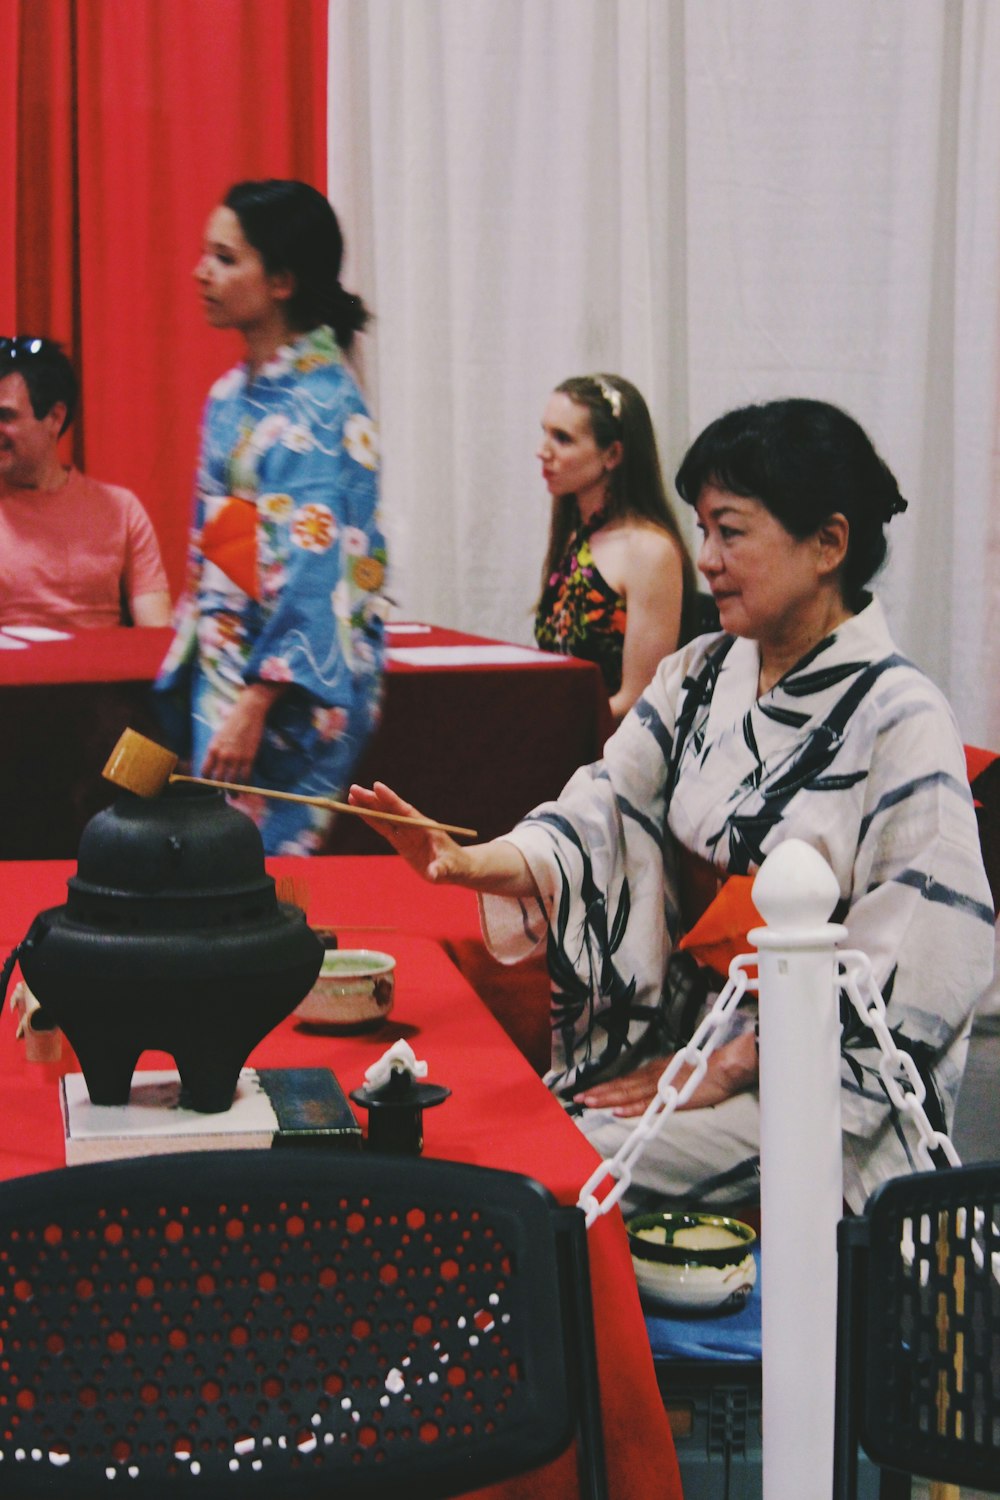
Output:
[[799, 719]]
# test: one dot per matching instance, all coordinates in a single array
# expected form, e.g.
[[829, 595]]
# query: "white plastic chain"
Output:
[[858, 982], [695, 1056]]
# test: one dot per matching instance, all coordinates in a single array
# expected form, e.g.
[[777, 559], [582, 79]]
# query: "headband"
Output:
[[611, 394]]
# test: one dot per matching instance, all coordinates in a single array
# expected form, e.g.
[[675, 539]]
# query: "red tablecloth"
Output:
[[476, 745], [499, 1115], [361, 895], [365, 897], [93, 656]]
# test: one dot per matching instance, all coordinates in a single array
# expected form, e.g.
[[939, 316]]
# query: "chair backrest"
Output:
[[289, 1322], [918, 1362], [700, 616]]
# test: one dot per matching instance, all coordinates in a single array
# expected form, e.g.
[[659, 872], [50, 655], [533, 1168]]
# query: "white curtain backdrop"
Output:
[[724, 201]]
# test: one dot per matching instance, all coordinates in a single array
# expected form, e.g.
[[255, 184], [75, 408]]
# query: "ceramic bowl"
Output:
[[693, 1262], [354, 989]]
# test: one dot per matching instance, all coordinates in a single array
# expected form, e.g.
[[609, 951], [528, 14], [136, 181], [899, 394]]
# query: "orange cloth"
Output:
[[229, 540], [720, 933]]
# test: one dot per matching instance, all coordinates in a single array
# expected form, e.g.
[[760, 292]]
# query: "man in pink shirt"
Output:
[[74, 553]]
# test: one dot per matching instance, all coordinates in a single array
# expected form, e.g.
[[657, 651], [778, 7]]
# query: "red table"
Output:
[[63, 705], [366, 899], [474, 745], [499, 1115]]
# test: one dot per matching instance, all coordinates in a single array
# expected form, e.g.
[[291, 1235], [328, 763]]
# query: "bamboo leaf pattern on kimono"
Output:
[[570, 993], [840, 783], [788, 716], [753, 777], [601, 1000], [799, 684], [621, 918], [697, 695], [808, 767]]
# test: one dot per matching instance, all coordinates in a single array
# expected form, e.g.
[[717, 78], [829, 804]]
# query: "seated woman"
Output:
[[618, 586], [800, 719]]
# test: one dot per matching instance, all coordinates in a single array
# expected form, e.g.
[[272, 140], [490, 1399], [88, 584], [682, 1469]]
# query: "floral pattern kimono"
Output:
[[853, 751], [285, 585], [579, 613]]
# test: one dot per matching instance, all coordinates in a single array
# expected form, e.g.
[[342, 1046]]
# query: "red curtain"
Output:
[[125, 122]]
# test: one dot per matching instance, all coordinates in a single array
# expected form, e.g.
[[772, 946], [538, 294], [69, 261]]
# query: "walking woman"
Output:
[[278, 653]]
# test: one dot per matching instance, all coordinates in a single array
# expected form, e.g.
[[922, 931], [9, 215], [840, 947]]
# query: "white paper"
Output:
[[154, 1106], [403, 629], [472, 656], [400, 1058], [36, 633]]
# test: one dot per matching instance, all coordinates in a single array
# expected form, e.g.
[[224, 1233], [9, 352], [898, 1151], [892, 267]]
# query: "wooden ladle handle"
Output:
[[333, 804], [142, 766]]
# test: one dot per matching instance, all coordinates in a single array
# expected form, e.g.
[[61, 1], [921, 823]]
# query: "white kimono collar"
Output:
[[864, 637]]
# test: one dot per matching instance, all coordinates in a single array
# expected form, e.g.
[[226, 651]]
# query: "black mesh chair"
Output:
[[287, 1323], [918, 1358]]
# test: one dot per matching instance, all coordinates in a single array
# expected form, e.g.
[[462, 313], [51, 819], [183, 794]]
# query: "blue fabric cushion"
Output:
[[709, 1336]]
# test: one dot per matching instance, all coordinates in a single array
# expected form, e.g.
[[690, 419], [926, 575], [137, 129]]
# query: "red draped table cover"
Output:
[[499, 1115], [477, 744]]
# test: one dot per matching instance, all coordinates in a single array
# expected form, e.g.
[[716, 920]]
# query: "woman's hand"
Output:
[[233, 748], [433, 855], [498, 868], [732, 1069]]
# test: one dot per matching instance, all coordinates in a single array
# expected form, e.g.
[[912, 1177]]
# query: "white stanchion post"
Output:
[[801, 1167]]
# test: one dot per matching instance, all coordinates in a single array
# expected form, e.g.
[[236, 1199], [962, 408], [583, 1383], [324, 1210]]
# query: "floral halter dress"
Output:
[[579, 613]]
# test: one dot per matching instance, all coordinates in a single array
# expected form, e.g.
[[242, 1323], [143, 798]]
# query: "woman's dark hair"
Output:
[[635, 486], [294, 228], [805, 461], [46, 371]]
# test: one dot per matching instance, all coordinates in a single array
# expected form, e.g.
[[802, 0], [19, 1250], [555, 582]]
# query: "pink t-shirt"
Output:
[[70, 557]]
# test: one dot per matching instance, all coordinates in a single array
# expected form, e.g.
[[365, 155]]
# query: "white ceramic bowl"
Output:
[[354, 988], [693, 1262]]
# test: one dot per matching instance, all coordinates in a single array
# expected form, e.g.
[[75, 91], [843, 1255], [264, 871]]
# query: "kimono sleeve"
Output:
[[321, 560], [603, 833], [921, 911], [608, 901]]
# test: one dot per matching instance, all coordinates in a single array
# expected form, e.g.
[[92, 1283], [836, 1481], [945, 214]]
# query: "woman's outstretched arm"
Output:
[[496, 869]]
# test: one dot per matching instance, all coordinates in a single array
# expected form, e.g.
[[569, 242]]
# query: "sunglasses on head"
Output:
[[24, 346]]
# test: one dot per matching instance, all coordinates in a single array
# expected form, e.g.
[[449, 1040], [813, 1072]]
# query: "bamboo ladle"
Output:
[[142, 766]]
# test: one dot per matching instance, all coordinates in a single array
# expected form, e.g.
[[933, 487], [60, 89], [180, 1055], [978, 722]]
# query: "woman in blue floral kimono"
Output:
[[799, 720], [279, 644]]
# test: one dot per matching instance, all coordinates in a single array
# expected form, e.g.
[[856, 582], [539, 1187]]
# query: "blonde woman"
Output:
[[618, 585]]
